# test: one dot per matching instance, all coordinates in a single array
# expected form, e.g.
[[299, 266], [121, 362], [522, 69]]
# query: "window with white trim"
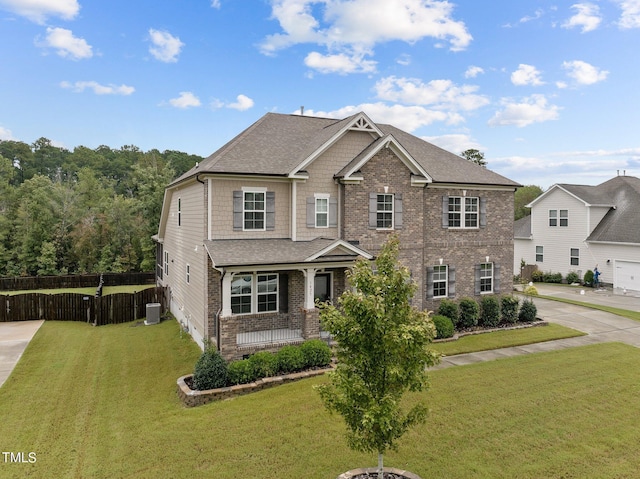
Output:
[[179, 211], [564, 217], [188, 274], [575, 257], [254, 293], [553, 217], [241, 293], [486, 277], [440, 280], [467, 206], [166, 262], [267, 292], [253, 210], [384, 211], [322, 211], [539, 254]]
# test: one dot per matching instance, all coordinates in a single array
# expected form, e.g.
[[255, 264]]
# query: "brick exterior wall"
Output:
[[423, 240]]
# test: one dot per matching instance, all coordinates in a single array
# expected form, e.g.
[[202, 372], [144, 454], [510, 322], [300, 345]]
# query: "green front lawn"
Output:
[[504, 339], [101, 403]]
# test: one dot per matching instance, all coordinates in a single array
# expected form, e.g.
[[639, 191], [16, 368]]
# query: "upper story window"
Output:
[[179, 211], [463, 212], [553, 218], [564, 217], [322, 212], [254, 210], [188, 274], [384, 211]]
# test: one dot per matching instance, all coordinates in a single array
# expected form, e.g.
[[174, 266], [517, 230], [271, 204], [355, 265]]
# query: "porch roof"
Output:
[[248, 252]]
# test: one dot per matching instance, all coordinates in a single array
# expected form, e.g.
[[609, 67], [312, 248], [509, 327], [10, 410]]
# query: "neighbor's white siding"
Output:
[[557, 241]]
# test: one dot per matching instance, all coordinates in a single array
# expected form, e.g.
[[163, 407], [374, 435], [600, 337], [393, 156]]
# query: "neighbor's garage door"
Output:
[[627, 275]]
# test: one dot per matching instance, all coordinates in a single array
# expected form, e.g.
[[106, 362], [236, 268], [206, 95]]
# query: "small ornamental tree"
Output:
[[382, 352]]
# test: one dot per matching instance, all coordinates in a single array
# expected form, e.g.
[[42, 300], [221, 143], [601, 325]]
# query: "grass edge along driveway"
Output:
[[101, 403]]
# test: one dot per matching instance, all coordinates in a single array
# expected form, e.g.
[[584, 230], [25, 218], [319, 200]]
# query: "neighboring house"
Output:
[[251, 238], [578, 227]]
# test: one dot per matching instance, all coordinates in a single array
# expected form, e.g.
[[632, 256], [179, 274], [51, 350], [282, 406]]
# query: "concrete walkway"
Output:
[[14, 337], [600, 326]]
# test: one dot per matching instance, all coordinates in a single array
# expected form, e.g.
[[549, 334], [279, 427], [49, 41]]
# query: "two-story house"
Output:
[[254, 235], [578, 227]]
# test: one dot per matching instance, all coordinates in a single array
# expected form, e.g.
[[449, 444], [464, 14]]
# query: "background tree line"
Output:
[[81, 211]]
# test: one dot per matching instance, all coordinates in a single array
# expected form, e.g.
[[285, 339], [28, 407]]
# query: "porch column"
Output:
[[309, 283], [226, 294]]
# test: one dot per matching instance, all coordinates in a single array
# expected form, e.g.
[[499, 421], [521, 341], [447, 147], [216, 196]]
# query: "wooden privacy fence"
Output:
[[109, 309], [19, 283]]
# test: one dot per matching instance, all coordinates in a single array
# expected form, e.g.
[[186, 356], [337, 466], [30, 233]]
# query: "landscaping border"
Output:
[[192, 398]]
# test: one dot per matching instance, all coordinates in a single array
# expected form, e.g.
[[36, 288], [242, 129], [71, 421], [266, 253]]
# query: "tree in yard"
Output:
[[474, 156], [524, 196], [382, 352]]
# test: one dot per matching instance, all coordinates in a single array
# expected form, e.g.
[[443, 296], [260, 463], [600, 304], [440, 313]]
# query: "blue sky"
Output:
[[547, 90]]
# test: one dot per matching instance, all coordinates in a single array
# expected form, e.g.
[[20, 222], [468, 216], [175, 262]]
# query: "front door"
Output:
[[322, 287]]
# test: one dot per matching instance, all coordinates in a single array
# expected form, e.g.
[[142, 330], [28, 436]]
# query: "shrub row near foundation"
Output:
[[548, 277], [211, 370], [490, 312], [444, 326]]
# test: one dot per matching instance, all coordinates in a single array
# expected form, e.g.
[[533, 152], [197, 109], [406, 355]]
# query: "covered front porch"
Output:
[[264, 305]]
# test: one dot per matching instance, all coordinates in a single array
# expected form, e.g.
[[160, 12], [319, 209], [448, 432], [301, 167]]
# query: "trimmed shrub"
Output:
[[489, 312], [469, 312], [444, 326], [316, 353], [509, 309], [450, 309], [537, 276], [530, 290], [588, 278], [552, 277], [210, 371], [264, 364], [240, 372], [528, 311], [573, 277], [289, 359]]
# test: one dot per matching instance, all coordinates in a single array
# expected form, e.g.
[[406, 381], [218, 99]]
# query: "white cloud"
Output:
[[65, 44], [587, 17], [455, 143], [407, 118], [473, 71], [630, 16], [215, 3], [526, 75], [6, 134], [441, 94], [97, 88], [166, 47], [583, 73], [185, 100], [242, 103], [533, 109], [356, 26], [38, 10], [341, 63]]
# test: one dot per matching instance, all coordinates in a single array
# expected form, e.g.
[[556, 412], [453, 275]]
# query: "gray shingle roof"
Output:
[[276, 144], [251, 252], [622, 223], [522, 228]]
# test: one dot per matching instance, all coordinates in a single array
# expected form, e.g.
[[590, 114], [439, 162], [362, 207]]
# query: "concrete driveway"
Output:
[[14, 337]]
